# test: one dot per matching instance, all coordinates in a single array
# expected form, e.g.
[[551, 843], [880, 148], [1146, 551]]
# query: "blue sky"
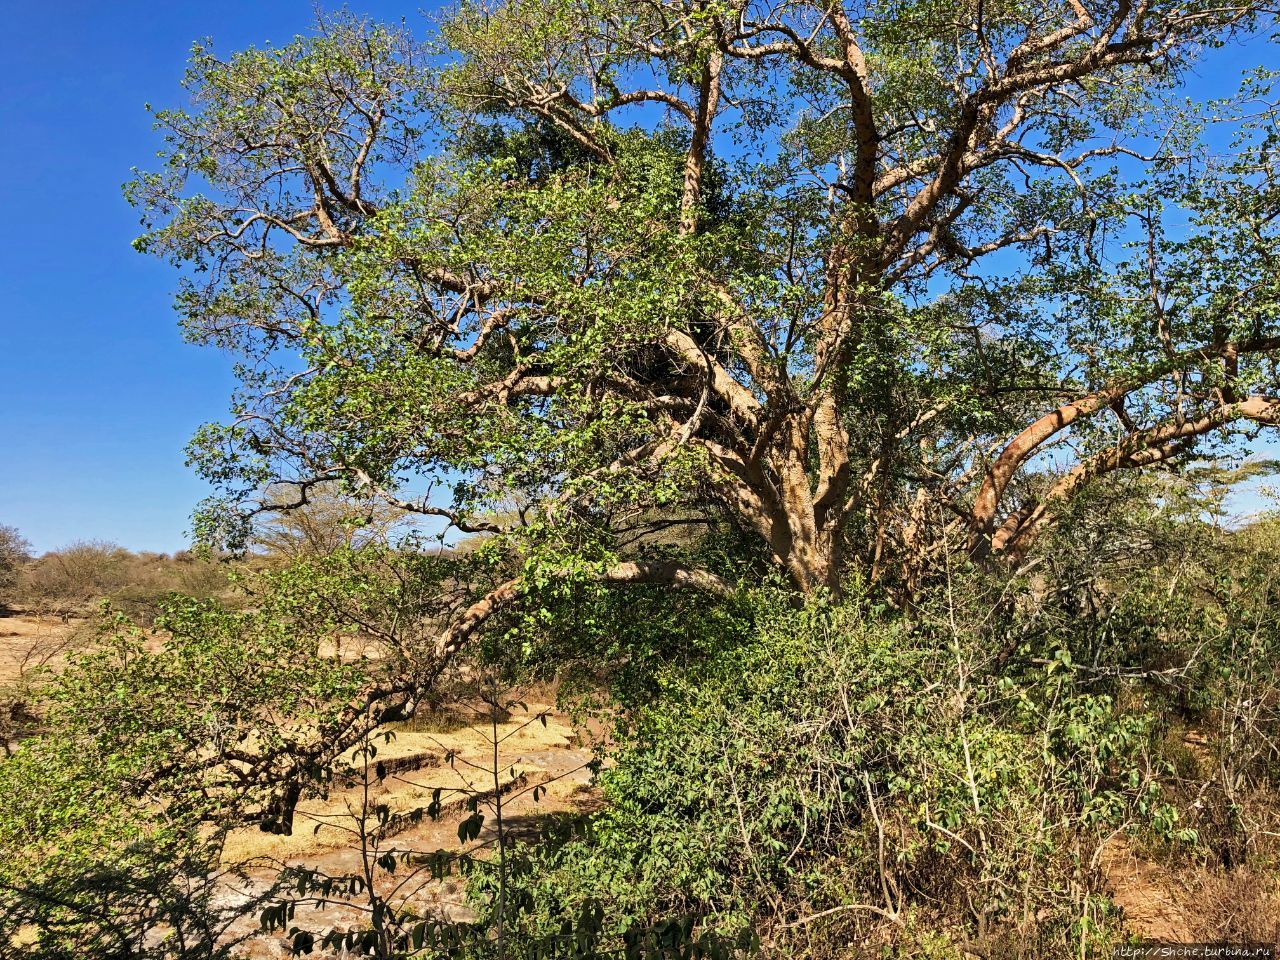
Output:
[[98, 392]]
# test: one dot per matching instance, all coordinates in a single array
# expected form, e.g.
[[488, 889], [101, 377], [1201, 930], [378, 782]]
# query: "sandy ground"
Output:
[[542, 771], [30, 642], [1146, 895]]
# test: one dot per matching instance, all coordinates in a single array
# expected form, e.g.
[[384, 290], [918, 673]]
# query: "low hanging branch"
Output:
[[397, 698]]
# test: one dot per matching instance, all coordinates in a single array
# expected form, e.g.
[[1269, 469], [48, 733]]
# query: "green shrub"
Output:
[[847, 772]]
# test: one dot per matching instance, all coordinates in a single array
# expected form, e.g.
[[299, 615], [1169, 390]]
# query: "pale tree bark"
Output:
[[988, 536], [1139, 449]]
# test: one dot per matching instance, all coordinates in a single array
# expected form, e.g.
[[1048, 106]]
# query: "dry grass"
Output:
[[1192, 902]]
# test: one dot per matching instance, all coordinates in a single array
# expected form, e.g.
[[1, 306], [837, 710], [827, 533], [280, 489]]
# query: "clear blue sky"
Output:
[[98, 392]]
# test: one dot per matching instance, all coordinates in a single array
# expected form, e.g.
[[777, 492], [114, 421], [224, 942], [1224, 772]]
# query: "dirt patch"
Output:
[[1196, 904], [542, 772], [28, 642], [415, 765], [1151, 901]]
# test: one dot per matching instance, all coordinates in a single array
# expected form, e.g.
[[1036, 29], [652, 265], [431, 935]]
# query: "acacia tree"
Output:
[[320, 520], [837, 275]]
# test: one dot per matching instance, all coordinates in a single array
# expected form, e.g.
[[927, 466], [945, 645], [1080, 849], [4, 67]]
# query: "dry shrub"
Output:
[[14, 553], [447, 718], [72, 581], [1236, 906]]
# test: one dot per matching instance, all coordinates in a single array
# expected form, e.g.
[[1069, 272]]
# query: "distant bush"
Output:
[[320, 520], [71, 581], [14, 553]]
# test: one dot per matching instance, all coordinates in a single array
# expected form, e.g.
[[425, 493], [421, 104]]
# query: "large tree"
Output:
[[837, 275], [849, 287]]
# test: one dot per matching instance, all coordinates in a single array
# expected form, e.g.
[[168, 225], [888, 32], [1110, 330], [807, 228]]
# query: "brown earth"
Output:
[[460, 763], [1152, 903], [1196, 904], [28, 642]]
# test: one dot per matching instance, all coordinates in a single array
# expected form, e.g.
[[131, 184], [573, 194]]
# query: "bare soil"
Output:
[[28, 641], [460, 763], [1194, 904]]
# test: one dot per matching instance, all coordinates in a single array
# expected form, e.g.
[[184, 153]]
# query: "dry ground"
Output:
[[1192, 905], [28, 642], [550, 757]]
